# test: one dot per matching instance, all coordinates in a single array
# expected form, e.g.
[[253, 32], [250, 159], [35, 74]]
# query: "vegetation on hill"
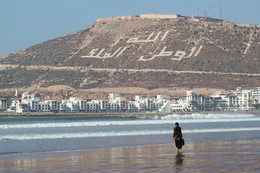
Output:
[[181, 44], [18, 77]]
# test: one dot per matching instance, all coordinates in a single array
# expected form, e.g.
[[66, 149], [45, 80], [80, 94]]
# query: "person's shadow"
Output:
[[179, 158]]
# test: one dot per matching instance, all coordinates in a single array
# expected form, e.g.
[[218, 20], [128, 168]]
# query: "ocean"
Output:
[[25, 135], [219, 142]]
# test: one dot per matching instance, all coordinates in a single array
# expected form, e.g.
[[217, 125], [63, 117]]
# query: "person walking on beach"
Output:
[[177, 136]]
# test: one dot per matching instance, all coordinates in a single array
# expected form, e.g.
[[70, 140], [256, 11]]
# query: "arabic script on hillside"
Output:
[[153, 37]]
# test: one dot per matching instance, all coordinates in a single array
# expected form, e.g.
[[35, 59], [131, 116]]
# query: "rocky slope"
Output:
[[146, 51]]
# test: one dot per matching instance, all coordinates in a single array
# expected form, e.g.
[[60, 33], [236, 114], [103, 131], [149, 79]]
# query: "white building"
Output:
[[31, 96], [34, 105], [188, 102], [3, 104], [247, 99], [178, 107], [93, 106], [256, 96], [113, 96], [117, 103], [191, 101], [63, 106], [83, 104], [147, 103], [131, 106], [29, 102], [45, 106], [15, 105], [104, 105], [73, 104], [139, 103]]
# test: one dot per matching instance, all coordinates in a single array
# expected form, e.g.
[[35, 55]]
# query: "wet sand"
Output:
[[226, 157]]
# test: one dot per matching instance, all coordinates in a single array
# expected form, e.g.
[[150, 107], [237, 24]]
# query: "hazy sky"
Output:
[[24, 23]]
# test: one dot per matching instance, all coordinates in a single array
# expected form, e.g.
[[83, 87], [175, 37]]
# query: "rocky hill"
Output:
[[146, 51]]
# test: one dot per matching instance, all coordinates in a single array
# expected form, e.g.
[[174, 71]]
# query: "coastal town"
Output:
[[192, 101]]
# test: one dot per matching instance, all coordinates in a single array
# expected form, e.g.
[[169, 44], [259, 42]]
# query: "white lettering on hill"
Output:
[[93, 53], [153, 37]]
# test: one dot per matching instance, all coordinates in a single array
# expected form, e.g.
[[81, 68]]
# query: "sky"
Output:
[[24, 23]]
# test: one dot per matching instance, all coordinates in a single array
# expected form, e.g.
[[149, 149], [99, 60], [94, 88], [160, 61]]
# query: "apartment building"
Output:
[[240, 99], [3, 104]]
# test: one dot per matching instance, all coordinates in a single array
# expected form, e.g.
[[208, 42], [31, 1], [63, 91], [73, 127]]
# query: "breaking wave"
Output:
[[170, 119], [122, 133], [206, 116]]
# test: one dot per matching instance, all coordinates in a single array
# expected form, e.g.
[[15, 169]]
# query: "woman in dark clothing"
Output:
[[177, 136]]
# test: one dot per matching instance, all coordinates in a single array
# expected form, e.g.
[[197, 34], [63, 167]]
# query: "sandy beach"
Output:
[[197, 157], [228, 143]]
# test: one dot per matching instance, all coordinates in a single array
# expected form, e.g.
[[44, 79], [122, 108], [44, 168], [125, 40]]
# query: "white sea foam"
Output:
[[206, 116], [122, 133], [123, 123]]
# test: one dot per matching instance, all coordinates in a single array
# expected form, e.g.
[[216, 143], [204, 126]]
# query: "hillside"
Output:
[[146, 51]]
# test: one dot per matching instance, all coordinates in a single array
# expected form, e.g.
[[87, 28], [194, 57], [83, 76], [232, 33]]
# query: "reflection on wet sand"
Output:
[[179, 158], [195, 157]]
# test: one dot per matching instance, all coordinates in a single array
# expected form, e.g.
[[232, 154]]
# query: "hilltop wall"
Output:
[[160, 16], [142, 16]]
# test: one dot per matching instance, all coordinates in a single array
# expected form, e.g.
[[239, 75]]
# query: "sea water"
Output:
[[25, 135]]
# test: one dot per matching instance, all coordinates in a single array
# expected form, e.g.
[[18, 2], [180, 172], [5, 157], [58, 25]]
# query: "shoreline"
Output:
[[143, 158], [46, 114], [72, 151], [4, 114]]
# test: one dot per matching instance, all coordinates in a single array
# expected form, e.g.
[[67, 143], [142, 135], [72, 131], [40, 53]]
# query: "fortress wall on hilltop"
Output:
[[142, 16], [110, 19], [160, 16], [125, 17], [107, 19]]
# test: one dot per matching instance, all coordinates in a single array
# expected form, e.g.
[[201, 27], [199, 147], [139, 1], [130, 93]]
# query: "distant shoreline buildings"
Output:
[[192, 101]]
